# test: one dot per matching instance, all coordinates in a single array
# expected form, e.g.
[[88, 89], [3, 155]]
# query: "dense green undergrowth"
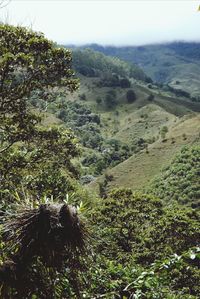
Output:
[[180, 181], [144, 249]]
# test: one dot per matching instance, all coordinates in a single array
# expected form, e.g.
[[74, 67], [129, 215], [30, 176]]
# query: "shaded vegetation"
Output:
[[174, 63], [94, 64], [180, 181]]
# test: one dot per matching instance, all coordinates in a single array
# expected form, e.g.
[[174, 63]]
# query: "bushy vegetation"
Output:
[[111, 153], [180, 180], [130, 96], [95, 64], [143, 249], [29, 151], [35, 165], [103, 153], [84, 123], [113, 80]]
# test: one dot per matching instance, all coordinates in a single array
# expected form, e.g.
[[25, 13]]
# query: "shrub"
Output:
[[125, 83], [98, 100], [150, 97], [130, 96], [110, 99], [82, 97]]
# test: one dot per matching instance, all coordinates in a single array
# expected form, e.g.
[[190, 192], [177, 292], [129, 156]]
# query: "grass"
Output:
[[141, 119], [138, 171]]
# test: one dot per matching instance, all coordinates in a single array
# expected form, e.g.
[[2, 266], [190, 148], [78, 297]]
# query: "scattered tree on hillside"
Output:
[[82, 97], [150, 97], [110, 99], [98, 100], [130, 96], [125, 83], [163, 132]]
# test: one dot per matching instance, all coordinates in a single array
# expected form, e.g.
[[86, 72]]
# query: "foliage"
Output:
[[29, 64], [125, 83], [144, 249], [84, 123], [163, 131], [110, 99], [141, 247], [111, 153], [87, 126], [92, 63], [180, 180], [131, 96]]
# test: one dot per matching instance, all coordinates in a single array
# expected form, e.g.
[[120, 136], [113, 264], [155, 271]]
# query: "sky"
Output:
[[107, 22]]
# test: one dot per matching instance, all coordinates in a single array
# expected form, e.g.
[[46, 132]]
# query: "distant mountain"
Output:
[[176, 64], [91, 63]]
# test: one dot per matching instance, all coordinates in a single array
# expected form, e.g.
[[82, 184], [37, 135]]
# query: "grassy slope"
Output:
[[141, 119], [163, 63], [140, 169]]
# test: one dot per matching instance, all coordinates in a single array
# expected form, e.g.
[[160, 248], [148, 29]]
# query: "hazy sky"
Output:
[[117, 22]]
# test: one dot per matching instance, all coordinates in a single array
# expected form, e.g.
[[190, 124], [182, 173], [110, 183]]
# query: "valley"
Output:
[[136, 126]]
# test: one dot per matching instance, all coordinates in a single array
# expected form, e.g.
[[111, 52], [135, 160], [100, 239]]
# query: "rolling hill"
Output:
[[139, 170], [129, 142], [176, 64]]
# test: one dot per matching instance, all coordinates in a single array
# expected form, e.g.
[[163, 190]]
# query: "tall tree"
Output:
[[30, 64]]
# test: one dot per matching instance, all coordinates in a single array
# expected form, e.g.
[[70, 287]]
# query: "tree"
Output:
[[125, 83], [35, 164], [163, 131], [137, 231], [98, 100], [110, 99], [82, 97], [131, 96], [32, 64], [150, 97]]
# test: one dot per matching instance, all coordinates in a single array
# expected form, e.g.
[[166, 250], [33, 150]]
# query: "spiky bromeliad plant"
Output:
[[42, 243]]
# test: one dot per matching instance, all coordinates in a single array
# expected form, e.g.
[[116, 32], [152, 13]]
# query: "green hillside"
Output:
[[132, 125], [95, 64], [140, 169], [113, 129], [180, 181], [176, 64]]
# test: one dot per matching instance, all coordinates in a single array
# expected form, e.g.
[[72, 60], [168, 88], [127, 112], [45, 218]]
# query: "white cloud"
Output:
[[108, 22]]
